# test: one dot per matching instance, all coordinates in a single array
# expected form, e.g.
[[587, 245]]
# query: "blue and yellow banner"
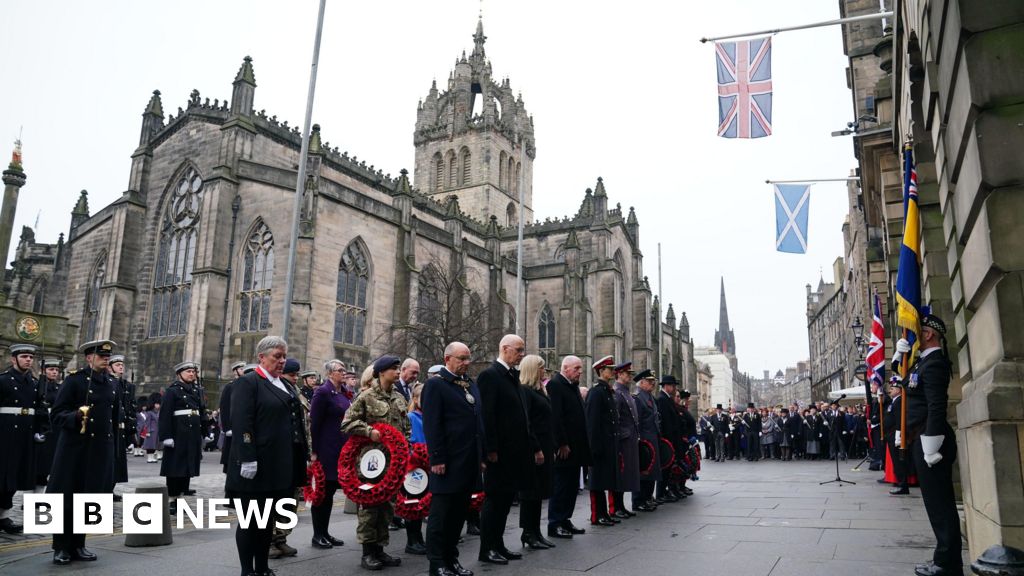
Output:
[[908, 276]]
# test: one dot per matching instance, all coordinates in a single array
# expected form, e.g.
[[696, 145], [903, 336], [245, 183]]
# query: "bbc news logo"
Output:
[[144, 513]]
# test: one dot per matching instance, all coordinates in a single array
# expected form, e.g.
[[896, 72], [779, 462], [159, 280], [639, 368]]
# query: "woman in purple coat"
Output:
[[330, 401]]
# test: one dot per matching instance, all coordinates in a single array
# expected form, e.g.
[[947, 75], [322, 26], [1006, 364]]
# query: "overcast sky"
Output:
[[621, 90]]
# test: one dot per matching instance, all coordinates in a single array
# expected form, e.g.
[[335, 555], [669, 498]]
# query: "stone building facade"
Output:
[[828, 334], [190, 263]]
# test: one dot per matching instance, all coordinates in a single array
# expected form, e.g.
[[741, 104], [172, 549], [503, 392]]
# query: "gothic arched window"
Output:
[[501, 171], [453, 170], [350, 307], [438, 172], [510, 215], [428, 297], [39, 299], [467, 162], [92, 310], [510, 174], [546, 329], [257, 278], [176, 256]]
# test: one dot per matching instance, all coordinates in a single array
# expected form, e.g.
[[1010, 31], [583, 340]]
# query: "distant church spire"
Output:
[[725, 340]]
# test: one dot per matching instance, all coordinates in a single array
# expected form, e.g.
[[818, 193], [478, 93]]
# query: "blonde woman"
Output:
[[538, 407], [366, 380]]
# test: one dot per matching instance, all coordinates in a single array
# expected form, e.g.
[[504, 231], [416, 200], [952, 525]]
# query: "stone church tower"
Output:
[[475, 141]]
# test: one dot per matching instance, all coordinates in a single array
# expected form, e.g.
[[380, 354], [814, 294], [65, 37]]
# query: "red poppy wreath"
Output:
[[668, 453], [412, 501], [313, 491], [476, 501], [647, 457], [370, 473]]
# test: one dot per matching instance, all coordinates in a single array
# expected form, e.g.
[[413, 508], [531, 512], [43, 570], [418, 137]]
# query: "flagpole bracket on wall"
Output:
[[876, 16]]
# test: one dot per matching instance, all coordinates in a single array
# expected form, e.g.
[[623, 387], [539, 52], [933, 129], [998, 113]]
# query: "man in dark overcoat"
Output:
[[507, 444], [126, 396], [22, 427], [224, 408], [650, 430], [49, 386], [181, 425], [569, 420], [671, 430], [85, 417], [752, 430], [454, 429], [602, 422]]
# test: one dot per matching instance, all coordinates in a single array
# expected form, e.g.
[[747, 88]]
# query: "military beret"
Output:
[[237, 365], [51, 362], [117, 358], [643, 375], [386, 362], [935, 323], [669, 380], [607, 361], [23, 349], [291, 366], [626, 366], [435, 369], [185, 366], [98, 347]]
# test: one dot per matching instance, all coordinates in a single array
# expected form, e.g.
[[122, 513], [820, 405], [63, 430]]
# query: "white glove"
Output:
[[902, 346], [898, 437], [759, 434], [248, 470], [169, 443], [39, 438], [131, 447], [931, 445], [228, 433]]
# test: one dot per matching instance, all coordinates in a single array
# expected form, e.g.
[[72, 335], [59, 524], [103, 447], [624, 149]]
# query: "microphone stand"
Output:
[[835, 457]]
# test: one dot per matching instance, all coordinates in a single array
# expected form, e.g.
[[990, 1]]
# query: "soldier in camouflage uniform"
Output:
[[380, 403]]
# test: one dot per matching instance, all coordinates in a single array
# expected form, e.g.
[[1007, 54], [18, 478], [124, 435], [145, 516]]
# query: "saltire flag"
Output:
[[791, 206], [744, 88], [908, 276], [876, 349]]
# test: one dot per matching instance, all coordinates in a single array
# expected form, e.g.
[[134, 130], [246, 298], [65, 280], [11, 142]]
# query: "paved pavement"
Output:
[[766, 518]]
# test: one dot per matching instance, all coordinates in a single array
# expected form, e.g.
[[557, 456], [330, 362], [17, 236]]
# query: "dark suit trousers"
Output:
[[564, 488], [940, 501], [444, 524], [68, 541], [493, 517]]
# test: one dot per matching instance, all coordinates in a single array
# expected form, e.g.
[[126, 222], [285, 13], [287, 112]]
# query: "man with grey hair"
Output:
[[570, 426]]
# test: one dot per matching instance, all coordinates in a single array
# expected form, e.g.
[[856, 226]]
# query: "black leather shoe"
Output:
[[8, 525], [932, 569], [61, 557], [621, 515], [660, 499], [559, 532], [899, 491], [530, 541], [441, 571], [687, 491], [882, 481], [321, 542], [458, 569], [334, 541], [190, 492], [387, 559], [492, 557], [669, 497], [416, 549], [370, 562], [510, 554], [83, 554], [603, 521], [572, 528], [544, 540], [644, 508]]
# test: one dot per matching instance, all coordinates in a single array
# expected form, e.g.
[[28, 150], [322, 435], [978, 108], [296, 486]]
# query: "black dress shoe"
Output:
[[321, 542], [441, 571], [531, 541], [899, 491], [572, 528], [882, 481], [458, 569], [190, 492], [7, 525], [559, 532], [621, 514], [492, 557], [603, 521], [510, 554], [370, 562], [83, 553], [387, 559], [932, 569], [544, 540], [687, 491], [644, 508], [334, 541], [61, 557], [416, 549]]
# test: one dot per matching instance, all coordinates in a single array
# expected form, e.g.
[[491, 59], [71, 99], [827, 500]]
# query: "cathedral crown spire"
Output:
[[725, 340], [479, 39]]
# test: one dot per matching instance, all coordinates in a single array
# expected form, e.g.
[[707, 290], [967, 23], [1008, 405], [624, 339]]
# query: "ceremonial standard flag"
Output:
[[876, 350], [791, 203], [908, 276], [744, 88]]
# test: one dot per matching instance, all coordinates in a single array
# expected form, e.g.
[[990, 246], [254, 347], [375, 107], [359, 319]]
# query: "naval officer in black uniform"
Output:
[[181, 430], [22, 425], [85, 417]]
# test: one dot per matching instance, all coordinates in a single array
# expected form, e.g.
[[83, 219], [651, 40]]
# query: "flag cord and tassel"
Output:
[[878, 16]]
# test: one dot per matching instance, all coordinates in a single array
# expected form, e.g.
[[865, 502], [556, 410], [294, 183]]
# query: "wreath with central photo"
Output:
[[370, 473], [412, 501]]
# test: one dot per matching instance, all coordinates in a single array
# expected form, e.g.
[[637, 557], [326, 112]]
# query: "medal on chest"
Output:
[[913, 380], [469, 398]]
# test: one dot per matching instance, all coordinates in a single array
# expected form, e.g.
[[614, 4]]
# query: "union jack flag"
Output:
[[876, 350], [744, 88]]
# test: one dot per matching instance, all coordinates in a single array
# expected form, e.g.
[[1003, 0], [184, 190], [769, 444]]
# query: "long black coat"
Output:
[[671, 422], [224, 409], [650, 429], [927, 389], [18, 457], [262, 430], [182, 461], [506, 431], [538, 406], [569, 421], [84, 462], [602, 422], [44, 452], [126, 423], [454, 429]]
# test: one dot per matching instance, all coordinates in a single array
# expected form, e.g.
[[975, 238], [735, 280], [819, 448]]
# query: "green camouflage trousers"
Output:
[[373, 524], [281, 534]]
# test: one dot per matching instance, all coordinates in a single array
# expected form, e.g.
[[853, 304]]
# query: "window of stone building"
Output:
[[510, 215], [438, 172], [176, 255], [39, 299], [350, 308], [453, 172], [546, 329], [501, 170], [428, 297], [467, 162], [92, 310], [257, 278]]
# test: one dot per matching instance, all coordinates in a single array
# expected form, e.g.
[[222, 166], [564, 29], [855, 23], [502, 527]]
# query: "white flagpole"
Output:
[[661, 305], [878, 16], [300, 183], [850, 179], [520, 293]]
